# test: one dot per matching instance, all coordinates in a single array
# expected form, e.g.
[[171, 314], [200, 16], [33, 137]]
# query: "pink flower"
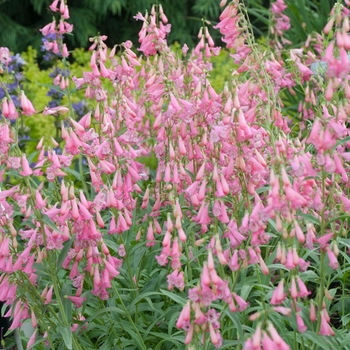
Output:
[[325, 328], [31, 340], [12, 111], [48, 296], [267, 343], [5, 56], [26, 170], [290, 261], [242, 304], [301, 325], [283, 310], [27, 107], [150, 236], [213, 337], [278, 295], [293, 289], [121, 250], [277, 338], [53, 6], [176, 279], [233, 263], [55, 110], [184, 316], [189, 335], [313, 317], [333, 262], [306, 73], [303, 292], [78, 301]]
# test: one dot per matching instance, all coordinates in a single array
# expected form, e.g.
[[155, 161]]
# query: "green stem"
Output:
[[343, 289], [262, 294], [70, 106], [56, 289], [129, 317], [302, 343], [322, 272], [234, 278], [132, 283], [189, 269], [321, 290]]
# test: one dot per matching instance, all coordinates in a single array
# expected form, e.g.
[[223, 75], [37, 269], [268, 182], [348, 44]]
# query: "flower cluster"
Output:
[[53, 32], [13, 98]]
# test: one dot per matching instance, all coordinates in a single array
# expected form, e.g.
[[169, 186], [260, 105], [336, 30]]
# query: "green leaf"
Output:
[[310, 218], [110, 309], [305, 16], [262, 189], [246, 289], [319, 340], [346, 340], [230, 344], [41, 270], [174, 297], [237, 321], [74, 173], [28, 223], [53, 87], [13, 173], [262, 16], [341, 142], [110, 244], [107, 345], [67, 304], [166, 338], [345, 241], [67, 336], [127, 326], [144, 296], [340, 217], [174, 341], [172, 322], [50, 223]]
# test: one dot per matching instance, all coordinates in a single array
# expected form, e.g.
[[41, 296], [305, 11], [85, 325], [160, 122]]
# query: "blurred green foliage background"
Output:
[[20, 20]]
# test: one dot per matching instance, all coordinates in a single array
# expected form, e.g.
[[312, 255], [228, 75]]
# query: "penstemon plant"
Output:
[[235, 237]]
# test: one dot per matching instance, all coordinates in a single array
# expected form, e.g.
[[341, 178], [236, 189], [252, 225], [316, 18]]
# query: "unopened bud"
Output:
[[138, 236], [329, 25], [255, 316], [328, 295]]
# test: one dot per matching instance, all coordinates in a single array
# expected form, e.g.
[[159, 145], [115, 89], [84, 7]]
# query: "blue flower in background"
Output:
[[64, 72], [57, 95], [18, 60], [53, 104], [49, 56], [80, 108], [15, 100], [58, 150]]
